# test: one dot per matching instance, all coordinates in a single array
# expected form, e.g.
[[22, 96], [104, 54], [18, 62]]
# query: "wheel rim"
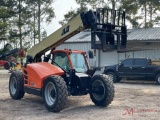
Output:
[[159, 79], [110, 77], [98, 90], [50, 94], [13, 86]]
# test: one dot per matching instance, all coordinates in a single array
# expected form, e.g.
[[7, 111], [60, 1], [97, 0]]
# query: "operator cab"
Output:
[[74, 63], [68, 59]]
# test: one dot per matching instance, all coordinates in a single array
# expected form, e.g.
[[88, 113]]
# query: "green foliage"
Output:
[[42, 11], [157, 21], [71, 14], [19, 20], [84, 6], [6, 48], [140, 13], [5, 14]]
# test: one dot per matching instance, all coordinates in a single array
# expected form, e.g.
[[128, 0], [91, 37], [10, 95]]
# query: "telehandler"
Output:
[[69, 73], [7, 51]]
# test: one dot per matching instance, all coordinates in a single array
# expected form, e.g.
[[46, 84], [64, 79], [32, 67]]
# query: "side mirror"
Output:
[[91, 54], [121, 64]]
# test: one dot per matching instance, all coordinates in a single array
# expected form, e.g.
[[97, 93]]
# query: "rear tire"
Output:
[[102, 90], [7, 65], [55, 93], [158, 79], [112, 76], [16, 85]]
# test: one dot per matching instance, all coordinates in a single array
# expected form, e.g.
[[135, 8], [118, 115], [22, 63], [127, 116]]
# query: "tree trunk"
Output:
[[20, 27], [145, 19], [151, 14], [34, 29], [113, 4], [113, 14], [39, 15]]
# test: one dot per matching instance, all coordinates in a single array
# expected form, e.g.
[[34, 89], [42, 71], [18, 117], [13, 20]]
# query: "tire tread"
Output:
[[62, 94], [109, 89], [20, 90]]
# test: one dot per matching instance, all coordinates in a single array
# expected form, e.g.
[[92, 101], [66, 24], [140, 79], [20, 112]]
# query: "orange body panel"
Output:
[[37, 72]]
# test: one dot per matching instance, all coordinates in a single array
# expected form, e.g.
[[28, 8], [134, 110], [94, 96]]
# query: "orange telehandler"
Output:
[[69, 72]]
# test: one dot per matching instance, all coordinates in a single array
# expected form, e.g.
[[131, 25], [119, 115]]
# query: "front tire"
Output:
[[55, 93], [7, 65], [102, 90], [16, 85], [158, 79]]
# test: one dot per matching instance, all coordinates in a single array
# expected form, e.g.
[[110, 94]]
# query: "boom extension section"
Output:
[[108, 31]]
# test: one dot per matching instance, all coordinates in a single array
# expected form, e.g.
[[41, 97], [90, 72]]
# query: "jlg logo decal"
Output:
[[65, 30]]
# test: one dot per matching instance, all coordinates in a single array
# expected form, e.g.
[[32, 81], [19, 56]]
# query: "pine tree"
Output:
[[24, 21], [43, 12], [85, 5], [142, 13], [5, 14]]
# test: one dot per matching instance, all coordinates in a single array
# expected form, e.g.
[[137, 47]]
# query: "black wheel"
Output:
[[158, 79], [7, 65], [16, 85], [112, 76], [55, 93], [102, 90]]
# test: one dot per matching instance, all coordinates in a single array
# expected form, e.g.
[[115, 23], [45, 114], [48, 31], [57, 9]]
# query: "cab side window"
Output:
[[128, 62], [140, 62], [62, 60]]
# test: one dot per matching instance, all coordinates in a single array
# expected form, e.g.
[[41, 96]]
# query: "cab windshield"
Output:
[[79, 62]]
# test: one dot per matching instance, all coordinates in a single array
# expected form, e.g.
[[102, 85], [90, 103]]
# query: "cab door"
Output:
[[125, 68], [139, 67], [61, 60]]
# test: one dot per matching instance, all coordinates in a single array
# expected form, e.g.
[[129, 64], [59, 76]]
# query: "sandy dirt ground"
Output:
[[133, 100]]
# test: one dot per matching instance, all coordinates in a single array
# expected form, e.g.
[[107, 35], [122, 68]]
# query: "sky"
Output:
[[61, 7]]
